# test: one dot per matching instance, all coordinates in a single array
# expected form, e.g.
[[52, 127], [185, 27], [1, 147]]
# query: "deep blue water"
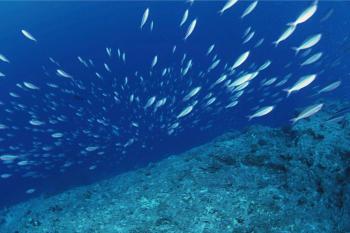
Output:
[[65, 30]]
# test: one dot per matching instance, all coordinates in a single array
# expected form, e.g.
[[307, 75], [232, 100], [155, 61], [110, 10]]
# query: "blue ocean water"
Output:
[[122, 133]]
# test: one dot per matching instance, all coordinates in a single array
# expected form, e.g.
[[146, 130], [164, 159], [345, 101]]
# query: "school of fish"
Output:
[[115, 109]]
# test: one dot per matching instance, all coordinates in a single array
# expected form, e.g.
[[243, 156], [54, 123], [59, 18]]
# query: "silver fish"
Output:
[[144, 18], [28, 35], [190, 29], [307, 112]]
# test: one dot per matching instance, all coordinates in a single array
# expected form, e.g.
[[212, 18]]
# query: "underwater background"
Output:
[[91, 90]]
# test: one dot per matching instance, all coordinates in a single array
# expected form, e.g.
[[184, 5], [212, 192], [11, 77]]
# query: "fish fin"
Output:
[[291, 24]]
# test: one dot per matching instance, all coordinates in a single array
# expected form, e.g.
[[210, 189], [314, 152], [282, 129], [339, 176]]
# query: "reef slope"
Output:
[[293, 179]]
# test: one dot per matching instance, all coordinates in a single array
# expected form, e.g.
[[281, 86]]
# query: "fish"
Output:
[[220, 80], [8, 157], [190, 2], [308, 43], [265, 65], [161, 102], [30, 86], [242, 86], [30, 191], [82, 61], [329, 14], [314, 58], [184, 17], [5, 175], [330, 87], [28, 35], [232, 104], [14, 95], [244, 78], [249, 9], [280, 83], [335, 119], [307, 112], [246, 31], [150, 102], [210, 49], [174, 49], [144, 18], [187, 68], [190, 28], [210, 101], [240, 60], [154, 61], [259, 43], [192, 93], [214, 65], [185, 112], [62, 73], [108, 50], [287, 33], [269, 82], [305, 15], [36, 122], [107, 67], [23, 163], [53, 61], [4, 59], [301, 83], [249, 37], [261, 112], [91, 148], [228, 5], [57, 135], [343, 110], [2, 74]]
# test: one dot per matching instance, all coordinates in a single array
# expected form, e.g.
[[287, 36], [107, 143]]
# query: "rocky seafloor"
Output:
[[262, 180]]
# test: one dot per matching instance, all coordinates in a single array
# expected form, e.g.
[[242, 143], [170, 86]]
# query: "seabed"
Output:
[[262, 180]]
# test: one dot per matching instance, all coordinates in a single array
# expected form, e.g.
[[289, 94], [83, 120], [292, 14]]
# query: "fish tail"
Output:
[[315, 94], [296, 49], [294, 120], [249, 117], [288, 92], [275, 43]]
